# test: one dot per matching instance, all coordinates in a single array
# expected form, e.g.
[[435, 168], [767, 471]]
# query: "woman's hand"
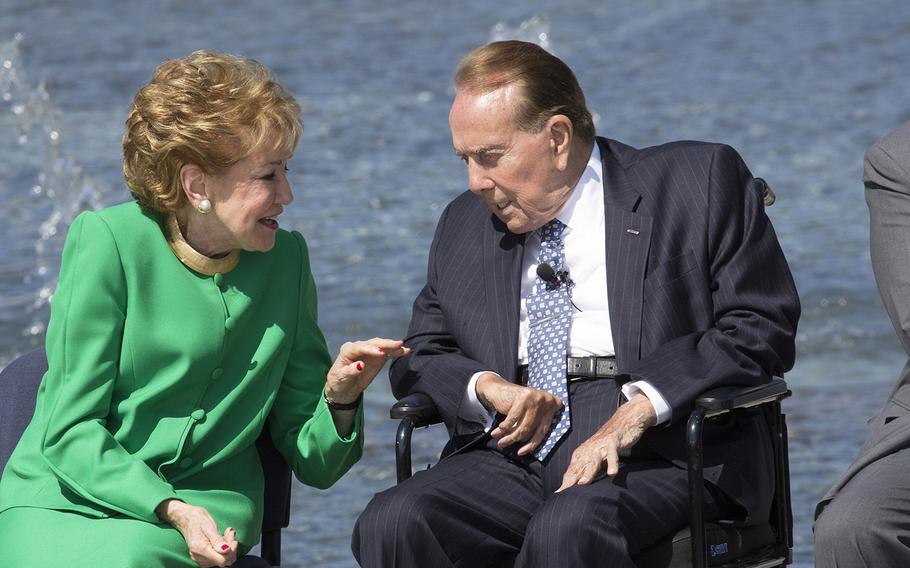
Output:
[[207, 546], [356, 366]]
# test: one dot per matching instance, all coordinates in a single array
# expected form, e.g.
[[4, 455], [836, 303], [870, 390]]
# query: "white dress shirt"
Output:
[[585, 259]]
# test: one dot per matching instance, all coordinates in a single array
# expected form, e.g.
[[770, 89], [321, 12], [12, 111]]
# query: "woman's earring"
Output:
[[204, 206]]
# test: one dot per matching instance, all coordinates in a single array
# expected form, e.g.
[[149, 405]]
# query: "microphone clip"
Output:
[[554, 279], [563, 276]]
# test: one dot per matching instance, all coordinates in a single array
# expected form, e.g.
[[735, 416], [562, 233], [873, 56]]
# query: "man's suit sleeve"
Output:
[[886, 176], [887, 182], [437, 367], [754, 300]]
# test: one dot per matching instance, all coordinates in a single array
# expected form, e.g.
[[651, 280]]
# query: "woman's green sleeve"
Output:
[[83, 346], [301, 423]]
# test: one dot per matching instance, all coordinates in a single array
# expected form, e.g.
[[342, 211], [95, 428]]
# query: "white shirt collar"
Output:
[[585, 207]]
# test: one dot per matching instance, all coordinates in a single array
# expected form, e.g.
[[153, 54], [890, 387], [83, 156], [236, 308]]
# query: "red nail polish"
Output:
[[381, 350], [359, 366], [224, 547]]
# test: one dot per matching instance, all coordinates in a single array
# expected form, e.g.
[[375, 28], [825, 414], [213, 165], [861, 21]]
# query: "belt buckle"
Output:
[[583, 366]]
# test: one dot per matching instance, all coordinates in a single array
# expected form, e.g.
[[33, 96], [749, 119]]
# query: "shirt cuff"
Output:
[[661, 408], [473, 410]]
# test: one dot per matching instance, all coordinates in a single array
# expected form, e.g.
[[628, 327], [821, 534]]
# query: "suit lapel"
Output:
[[503, 253], [628, 241]]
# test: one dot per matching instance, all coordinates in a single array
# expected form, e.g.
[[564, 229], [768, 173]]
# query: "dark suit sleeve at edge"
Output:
[[755, 304], [437, 367]]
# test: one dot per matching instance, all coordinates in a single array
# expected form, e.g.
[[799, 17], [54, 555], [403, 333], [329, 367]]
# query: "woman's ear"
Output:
[[192, 180]]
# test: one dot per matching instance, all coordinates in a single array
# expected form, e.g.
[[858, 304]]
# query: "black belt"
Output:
[[582, 368]]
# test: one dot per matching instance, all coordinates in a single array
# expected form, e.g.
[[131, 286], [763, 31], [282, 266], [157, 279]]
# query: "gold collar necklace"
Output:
[[194, 259]]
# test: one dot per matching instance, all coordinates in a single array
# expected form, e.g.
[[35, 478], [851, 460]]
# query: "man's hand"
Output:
[[621, 431], [528, 412]]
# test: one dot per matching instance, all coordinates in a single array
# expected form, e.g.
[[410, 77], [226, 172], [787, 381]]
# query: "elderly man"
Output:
[[578, 300], [864, 519]]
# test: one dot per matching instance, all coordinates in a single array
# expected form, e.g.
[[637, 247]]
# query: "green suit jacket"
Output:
[[160, 380]]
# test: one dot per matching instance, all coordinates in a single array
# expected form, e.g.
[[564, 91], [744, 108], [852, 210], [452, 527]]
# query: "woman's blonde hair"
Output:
[[210, 109]]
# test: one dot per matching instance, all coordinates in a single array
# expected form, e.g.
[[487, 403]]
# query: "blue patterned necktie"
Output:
[[550, 314]]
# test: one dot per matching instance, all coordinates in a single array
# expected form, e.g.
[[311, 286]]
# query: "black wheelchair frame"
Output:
[[689, 546]]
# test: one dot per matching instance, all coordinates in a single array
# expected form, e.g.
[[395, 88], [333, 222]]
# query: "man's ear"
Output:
[[192, 180], [560, 132]]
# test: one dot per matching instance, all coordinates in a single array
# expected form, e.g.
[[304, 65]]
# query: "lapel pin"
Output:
[[632, 231]]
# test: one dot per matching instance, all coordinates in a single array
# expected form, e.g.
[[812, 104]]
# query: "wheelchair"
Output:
[[721, 544]]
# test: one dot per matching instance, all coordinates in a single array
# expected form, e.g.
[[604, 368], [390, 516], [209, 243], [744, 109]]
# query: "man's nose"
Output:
[[478, 181]]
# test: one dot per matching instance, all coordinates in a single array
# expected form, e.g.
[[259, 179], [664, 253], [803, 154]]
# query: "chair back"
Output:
[[277, 498], [18, 389]]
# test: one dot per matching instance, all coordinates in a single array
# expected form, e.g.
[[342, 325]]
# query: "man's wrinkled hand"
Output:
[[623, 430], [528, 412]]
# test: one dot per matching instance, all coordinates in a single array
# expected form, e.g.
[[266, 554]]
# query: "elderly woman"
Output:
[[182, 322]]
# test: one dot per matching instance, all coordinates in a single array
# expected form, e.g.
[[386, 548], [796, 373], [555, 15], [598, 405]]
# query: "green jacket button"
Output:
[[186, 462], [216, 374], [198, 414], [229, 324], [218, 278]]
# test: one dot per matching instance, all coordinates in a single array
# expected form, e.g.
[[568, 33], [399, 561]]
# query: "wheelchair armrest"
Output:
[[419, 407], [719, 401], [725, 399], [413, 411]]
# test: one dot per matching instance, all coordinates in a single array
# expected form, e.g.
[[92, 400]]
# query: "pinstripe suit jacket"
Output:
[[701, 296]]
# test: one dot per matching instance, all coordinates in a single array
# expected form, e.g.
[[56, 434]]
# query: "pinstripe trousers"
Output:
[[484, 506]]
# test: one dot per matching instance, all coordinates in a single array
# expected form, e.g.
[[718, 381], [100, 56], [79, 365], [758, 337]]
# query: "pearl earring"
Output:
[[204, 206]]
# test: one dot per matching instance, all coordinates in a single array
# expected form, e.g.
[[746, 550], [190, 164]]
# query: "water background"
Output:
[[799, 87]]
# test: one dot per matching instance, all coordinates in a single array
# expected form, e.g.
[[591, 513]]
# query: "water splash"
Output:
[[48, 187], [533, 30]]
